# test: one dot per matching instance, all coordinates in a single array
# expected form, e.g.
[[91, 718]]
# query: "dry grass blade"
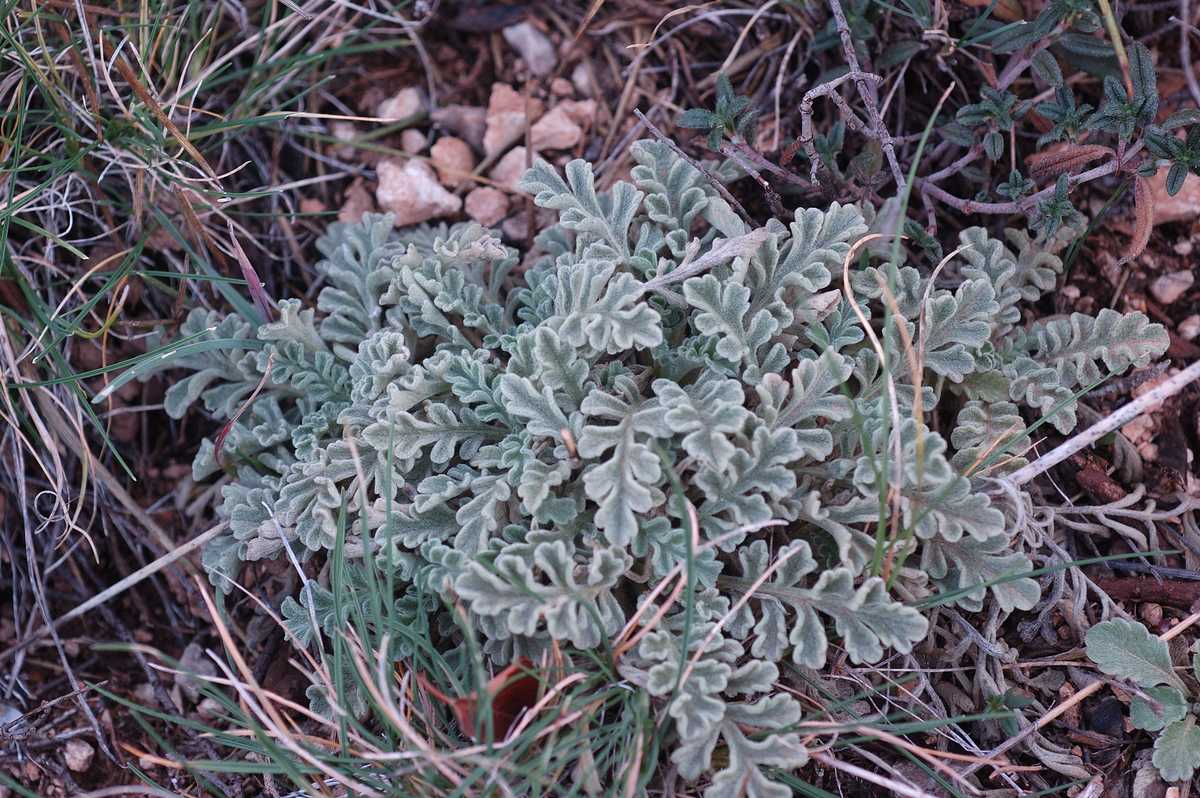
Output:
[[120, 587], [1073, 701]]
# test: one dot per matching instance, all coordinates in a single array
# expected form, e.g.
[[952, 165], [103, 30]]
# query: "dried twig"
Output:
[[878, 129], [717, 184], [120, 587], [1113, 421], [1074, 700], [1185, 49]]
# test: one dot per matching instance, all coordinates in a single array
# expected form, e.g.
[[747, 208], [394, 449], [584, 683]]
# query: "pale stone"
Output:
[[403, 104], [507, 173], [412, 192], [466, 121], [144, 693], [209, 708], [197, 666], [1189, 328], [413, 141], [582, 80], [79, 754], [453, 159], [533, 46], [1170, 287], [346, 132], [506, 118], [310, 206], [561, 87], [515, 227], [486, 205], [1184, 206], [582, 112], [355, 202], [555, 131]]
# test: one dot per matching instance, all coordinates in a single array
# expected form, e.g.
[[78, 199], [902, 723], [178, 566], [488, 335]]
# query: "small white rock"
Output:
[[533, 46], [198, 665], [515, 227], [506, 116], [1170, 287], [561, 87], [413, 141], [79, 753], [466, 121], [1189, 328], [144, 693], [344, 130], [582, 80], [555, 131], [405, 103], [507, 172], [355, 202], [209, 708], [582, 112], [453, 159], [487, 205], [411, 191]]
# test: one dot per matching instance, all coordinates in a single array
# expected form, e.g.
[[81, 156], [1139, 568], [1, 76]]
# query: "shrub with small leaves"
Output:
[[658, 392]]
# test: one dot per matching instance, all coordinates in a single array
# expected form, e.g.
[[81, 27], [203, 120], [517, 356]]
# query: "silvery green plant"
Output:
[[1162, 701], [657, 389]]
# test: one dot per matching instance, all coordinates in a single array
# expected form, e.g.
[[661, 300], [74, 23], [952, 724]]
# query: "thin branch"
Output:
[[868, 96], [120, 587], [1023, 205], [717, 184], [1185, 49], [1113, 421], [1074, 700]]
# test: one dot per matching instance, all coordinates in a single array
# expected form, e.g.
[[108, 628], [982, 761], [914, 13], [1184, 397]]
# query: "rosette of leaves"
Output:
[[1162, 703], [525, 444]]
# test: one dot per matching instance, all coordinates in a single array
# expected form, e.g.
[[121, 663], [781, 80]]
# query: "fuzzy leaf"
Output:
[[1177, 750], [1160, 707], [547, 587], [1127, 650], [625, 485]]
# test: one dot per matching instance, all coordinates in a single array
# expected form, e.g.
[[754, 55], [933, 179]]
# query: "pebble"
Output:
[[582, 80], [487, 205], [405, 103], [533, 46], [506, 117], [344, 131], [1170, 287], [555, 131], [1183, 207], [355, 202], [466, 121], [413, 141], [453, 159], [412, 192], [198, 665], [507, 172], [79, 754], [1189, 328], [561, 87]]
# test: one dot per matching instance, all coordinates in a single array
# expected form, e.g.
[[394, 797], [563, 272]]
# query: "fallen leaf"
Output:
[[511, 691], [1064, 159], [1143, 214]]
